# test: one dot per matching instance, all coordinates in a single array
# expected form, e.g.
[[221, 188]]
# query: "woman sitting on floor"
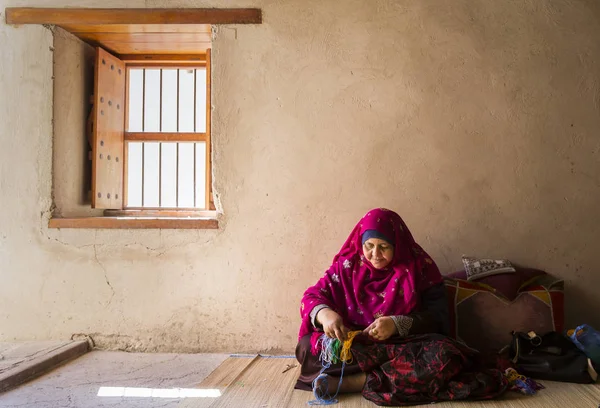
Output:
[[383, 283]]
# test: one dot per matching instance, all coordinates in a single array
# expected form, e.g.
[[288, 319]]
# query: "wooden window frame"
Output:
[[68, 18], [163, 217], [171, 137], [129, 222]]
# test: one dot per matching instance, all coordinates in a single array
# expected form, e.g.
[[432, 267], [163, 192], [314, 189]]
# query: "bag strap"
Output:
[[591, 371], [516, 340]]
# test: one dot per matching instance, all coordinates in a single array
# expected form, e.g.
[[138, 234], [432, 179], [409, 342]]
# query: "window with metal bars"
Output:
[[166, 139]]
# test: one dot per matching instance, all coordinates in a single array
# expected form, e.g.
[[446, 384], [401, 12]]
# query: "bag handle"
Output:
[[533, 338]]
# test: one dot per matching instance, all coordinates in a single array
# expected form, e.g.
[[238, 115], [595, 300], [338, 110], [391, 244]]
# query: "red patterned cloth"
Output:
[[425, 369]]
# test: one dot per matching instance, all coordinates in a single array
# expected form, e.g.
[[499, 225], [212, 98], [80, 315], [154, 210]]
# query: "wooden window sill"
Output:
[[134, 223]]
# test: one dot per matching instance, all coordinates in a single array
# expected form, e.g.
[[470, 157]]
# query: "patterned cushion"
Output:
[[507, 284], [483, 318], [478, 268]]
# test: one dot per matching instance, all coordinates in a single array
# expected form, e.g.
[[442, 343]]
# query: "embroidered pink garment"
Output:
[[359, 292]]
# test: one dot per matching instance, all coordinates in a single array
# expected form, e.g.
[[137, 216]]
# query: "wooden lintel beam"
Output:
[[101, 16]]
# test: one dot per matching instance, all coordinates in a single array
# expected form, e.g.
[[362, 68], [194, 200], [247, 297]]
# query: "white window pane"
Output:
[[168, 190], [152, 101], [186, 175], [186, 100], [151, 174], [135, 100], [169, 100], [134, 174], [201, 100], [200, 175]]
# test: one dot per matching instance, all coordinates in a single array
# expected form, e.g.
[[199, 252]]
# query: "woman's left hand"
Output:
[[381, 329]]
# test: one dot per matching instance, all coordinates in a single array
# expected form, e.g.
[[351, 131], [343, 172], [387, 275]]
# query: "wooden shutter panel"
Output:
[[109, 130]]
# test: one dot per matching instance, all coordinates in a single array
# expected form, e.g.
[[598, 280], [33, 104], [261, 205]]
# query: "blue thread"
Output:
[[327, 357], [524, 387]]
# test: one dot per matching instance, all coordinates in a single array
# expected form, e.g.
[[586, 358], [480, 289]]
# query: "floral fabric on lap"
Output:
[[480, 268], [426, 369]]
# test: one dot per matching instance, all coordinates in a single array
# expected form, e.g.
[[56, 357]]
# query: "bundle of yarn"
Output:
[[333, 351], [522, 384]]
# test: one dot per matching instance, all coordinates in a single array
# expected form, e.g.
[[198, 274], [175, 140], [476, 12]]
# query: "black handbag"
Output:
[[550, 357]]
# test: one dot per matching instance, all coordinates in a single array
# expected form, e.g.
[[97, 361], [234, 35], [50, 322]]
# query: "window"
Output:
[[151, 137], [168, 106], [157, 167]]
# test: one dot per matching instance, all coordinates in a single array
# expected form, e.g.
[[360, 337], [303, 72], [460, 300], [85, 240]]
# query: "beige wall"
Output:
[[73, 67], [478, 121]]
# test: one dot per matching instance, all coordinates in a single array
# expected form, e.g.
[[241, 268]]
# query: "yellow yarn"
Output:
[[346, 354], [512, 375]]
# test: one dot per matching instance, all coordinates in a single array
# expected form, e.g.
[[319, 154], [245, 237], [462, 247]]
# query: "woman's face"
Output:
[[379, 252]]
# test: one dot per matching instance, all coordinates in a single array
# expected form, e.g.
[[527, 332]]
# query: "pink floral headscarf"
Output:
[[359, 292]]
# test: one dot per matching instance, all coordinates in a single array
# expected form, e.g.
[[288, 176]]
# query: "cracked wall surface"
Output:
[[476, 120]]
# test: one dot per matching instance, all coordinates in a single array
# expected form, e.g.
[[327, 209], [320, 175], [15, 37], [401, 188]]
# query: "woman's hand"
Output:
[[332, 323], [381, 329]]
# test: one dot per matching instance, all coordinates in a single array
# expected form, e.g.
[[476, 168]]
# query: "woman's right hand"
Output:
[[332, 323]]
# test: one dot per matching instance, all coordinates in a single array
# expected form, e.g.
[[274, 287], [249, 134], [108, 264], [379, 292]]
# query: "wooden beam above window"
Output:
[[128, 32], [100, 16]]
